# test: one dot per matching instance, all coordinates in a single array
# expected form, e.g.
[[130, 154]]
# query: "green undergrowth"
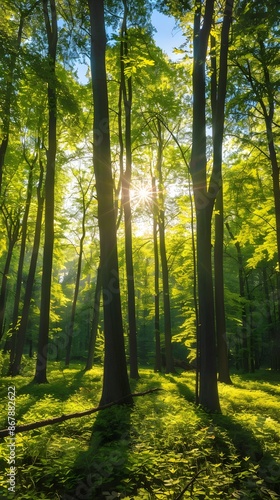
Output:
[[154, 450]]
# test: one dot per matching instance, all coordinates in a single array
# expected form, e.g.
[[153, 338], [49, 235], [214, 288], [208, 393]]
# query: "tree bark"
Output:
[[24, 226], [156, 281], [115, 380], [77, 284], [12, 223], [21, 335], [164, 265], [223, 361], [218, 95], [7, 105], [126, 181], [241, 278], [49, 10], [204, 199], [95, 320]]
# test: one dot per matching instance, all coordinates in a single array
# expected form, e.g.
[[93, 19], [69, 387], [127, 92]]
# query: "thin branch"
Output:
[[62, 418], [189, 484]]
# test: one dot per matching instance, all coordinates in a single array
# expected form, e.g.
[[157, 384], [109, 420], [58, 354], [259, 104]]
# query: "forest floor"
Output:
[[161, 447]]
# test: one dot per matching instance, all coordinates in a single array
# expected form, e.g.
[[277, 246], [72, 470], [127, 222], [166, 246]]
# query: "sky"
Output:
[[168, 35]]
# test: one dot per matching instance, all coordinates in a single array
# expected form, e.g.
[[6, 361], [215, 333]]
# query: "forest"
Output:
[[139, 250]]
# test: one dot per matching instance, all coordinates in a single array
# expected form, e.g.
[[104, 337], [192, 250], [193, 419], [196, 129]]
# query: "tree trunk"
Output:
[[276, 195], [164, 265], [268, 110], [269, 321], [242, 281], [223, 362], [8, 95], [204, 199], [95, 320], [12, 223], [21, 335], [115, 380], [156, 282], [24, 226], [126, 181], [77, 286], [218, 95], [49, 10]]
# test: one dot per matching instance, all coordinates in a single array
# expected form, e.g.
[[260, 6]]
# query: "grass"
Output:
[[151, 451]]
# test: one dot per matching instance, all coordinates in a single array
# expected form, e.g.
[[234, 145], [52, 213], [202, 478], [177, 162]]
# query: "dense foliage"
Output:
[[140, 226]]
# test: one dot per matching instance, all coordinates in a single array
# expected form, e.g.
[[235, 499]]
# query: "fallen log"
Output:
[[62, 418]]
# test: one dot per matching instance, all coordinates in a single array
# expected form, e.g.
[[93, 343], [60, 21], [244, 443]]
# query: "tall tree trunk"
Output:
[[115, 380], [218, 95], [126, 181], [223, 361], [49, 10], [24, 226], [95, 320], [77, 286], [21, 335], [208, 389], [164, 264], [12, 222], [7, 104], [269, 321], [156, 282], [242, 282]]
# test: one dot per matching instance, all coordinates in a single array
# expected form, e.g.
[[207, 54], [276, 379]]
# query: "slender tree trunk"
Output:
[[156, 282], [7, 104], [208, 389], [115, 380], [95, 320], [269, 321], [241, 278], [126, 181], [49, 10], [276, 195], [164, 264], [77, 286], [21, 335], [24, 226], [218, 95], [12, 222], [223, 361]]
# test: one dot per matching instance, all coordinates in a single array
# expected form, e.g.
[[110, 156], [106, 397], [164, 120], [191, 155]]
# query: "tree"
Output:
[[50, 16], [115, 381], [218, 93], [164, 265], [205, 194], [14, 368], [126, 94], [85, 202], [256, 72]]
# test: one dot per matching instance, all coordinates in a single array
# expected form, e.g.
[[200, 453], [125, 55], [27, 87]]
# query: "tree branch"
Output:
[[62, 418]]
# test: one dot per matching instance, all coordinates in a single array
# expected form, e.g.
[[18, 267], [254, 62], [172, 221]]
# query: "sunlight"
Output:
[[141, 195]]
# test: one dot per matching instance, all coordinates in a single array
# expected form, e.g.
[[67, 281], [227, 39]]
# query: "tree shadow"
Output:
[[183, 388], [100, 470], [249, 451]]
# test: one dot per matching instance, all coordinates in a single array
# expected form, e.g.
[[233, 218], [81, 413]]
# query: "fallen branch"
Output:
[[62, 418], [189, 484]]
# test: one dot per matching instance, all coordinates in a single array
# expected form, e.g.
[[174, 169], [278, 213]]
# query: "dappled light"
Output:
[[139, 250]]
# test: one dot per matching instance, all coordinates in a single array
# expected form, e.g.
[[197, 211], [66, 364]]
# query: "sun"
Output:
[[141, 195]]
